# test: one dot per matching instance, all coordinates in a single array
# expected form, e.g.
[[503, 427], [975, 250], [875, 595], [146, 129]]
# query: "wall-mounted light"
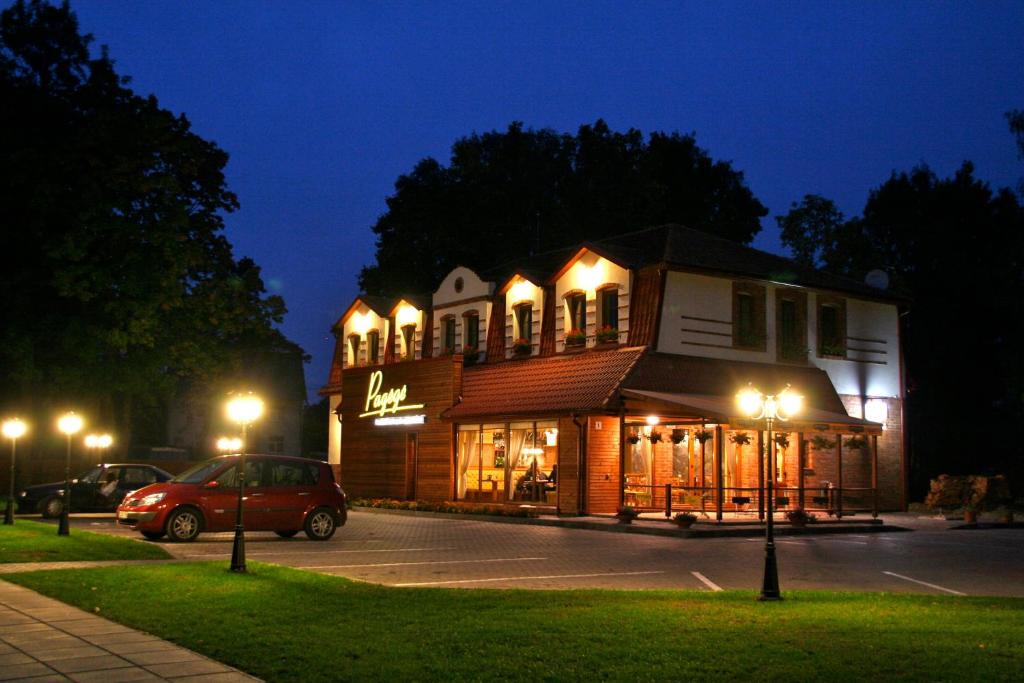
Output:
[[522, 290], [876, 410], [407, 315]]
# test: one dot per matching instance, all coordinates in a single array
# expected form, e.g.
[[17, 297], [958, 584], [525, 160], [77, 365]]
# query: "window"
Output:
[[610, 308], [576, 307], [229, 478], [791, 325], [831, 326], [470, 331], [409, 338], [748, 327], [524, 321], [448, 334], [373, 346], [139, 475], [353, 349], [281, 473]]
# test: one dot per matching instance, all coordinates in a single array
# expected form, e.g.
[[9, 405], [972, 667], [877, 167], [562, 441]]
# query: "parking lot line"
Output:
[[523, 578], [707, 582], [408, 564], [924, 583]]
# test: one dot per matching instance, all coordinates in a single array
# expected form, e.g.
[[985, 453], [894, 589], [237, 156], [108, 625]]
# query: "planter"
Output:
[[799, 522], [970, 516], [684, 522], [626, 516]]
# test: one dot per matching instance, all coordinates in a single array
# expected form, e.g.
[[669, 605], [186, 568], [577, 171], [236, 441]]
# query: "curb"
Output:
[[651, 528]]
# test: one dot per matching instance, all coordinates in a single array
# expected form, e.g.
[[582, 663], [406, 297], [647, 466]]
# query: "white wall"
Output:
[[590, 273], [696, 320], [448, 301], [361, 322]]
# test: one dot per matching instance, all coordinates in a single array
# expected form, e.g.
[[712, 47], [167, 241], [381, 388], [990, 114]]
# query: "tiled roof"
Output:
[[562, 384], [675, 374]]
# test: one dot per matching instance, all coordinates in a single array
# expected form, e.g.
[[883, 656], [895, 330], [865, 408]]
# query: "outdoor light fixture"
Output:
[[653, 420], [228, 444], [876, 410], [98, 442], [522, 290], [783, 406], [69, 424], [242, 410], [13, 429]]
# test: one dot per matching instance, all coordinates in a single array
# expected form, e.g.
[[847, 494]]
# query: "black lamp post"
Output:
[[243, 410], [70, 424], [756, 405], [13, 430]]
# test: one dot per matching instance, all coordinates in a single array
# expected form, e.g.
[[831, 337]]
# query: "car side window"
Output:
[[229, 477], [286, 474], [138, 475]]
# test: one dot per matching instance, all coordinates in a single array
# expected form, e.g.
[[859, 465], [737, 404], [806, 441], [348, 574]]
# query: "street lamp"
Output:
[[70, 424], [243, 410], [758, 406], [227, 444], [97, 443], [13, 430]]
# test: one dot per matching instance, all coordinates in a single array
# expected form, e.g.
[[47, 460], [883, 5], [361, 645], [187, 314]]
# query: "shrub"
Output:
[[449, 507]]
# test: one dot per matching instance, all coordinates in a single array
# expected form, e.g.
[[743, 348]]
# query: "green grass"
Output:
[[28, 541], [288, 625]]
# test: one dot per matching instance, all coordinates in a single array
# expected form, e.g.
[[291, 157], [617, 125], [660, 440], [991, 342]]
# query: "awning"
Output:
[[723, 409]]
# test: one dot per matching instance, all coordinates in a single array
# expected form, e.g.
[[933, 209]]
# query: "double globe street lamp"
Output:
[[783, 406], [97, 443], [13, 429], [69, 424], [243, 410]]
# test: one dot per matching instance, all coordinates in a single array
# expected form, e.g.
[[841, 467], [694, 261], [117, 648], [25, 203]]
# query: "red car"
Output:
[[282, 494]]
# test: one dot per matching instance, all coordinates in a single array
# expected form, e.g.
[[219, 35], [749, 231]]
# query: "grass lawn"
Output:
[[288, 625], [28, 541]]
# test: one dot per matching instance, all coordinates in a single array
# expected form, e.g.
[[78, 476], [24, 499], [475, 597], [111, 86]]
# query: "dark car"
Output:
[[100, 489], [282, 494]]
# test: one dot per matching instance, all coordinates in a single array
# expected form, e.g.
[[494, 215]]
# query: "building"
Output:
[[605, 375]]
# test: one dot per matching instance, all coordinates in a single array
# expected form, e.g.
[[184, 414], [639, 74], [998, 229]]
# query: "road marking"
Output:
[[707, 582], [258, 554], [405, 564], [524, 578], [924, 583]]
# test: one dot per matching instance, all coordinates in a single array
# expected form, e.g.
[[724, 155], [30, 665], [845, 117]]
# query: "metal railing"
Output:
[[670, 498]]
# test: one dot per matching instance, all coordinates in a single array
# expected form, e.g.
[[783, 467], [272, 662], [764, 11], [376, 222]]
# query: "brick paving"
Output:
[[42, 639]]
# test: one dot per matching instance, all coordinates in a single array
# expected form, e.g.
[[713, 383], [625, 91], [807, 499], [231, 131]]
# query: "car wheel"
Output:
[[320, 524], [52, 507], [153, 535], [183, 525], [287, 534]]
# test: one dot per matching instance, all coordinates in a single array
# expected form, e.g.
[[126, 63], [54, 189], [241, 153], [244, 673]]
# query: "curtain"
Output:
[[642, 456], [516, 441], [469, 448]]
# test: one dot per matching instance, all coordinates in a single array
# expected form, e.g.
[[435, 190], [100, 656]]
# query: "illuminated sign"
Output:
[[397, 420], [381, 403]]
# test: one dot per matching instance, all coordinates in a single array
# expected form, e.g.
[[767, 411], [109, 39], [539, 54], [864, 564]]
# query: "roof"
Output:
[[674, 374], [562, 384], [378, 304]]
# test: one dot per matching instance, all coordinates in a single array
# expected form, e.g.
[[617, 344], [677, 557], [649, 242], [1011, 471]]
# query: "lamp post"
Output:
[[243, 410], [70, 424], [13, 430], [97, 443], [758, 406]]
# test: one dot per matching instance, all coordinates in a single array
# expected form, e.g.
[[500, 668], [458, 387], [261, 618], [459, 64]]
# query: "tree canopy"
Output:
[[118, 282], [506, 194]]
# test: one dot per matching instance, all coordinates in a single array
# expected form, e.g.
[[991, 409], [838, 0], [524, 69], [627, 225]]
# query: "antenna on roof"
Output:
[[878, 279]]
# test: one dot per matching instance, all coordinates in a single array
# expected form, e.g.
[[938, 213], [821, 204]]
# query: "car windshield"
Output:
[[199, 473], [91, 476]]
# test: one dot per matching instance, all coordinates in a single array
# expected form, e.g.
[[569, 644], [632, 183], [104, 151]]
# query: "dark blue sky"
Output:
[[322, 105]]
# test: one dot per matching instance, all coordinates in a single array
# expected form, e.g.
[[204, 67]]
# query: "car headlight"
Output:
[[151, 499]]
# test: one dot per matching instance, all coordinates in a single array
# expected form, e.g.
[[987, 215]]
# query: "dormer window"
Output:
[[353, 349], [471, 331], [576, 319], [524, 329], [373, 347], [409, 338], [448, 334]]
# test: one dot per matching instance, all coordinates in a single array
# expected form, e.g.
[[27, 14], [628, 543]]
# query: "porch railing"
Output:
[[670, 498]]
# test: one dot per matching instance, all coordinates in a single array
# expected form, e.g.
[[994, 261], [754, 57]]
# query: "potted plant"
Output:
[[684, 520], [799, 517], [740, 439], [782, 440], [678, 436], [822, 443], [655, 437], [608, 335], [575, 337], [633, 438], [857, 442], [703, 435], [627, 514], [522, 347]]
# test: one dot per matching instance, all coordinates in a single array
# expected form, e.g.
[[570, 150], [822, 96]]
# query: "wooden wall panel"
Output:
[[373, 458], [568, 466], [604, 476]]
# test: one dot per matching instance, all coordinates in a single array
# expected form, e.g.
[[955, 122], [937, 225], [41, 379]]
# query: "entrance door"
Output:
[[410, 467]]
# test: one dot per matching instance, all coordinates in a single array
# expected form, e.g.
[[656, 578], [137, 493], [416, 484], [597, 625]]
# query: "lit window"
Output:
[[576, 307], [373, 346], [610, 308], [524, 321], [353, 349], [409, 337]]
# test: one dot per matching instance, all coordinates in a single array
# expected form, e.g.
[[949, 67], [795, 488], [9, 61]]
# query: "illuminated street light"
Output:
[[758, 406], [70, 424], [243, 410], [13, 429], [228, 444], [97, 443]]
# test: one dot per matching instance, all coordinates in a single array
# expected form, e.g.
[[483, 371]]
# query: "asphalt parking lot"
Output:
[[400, 550]]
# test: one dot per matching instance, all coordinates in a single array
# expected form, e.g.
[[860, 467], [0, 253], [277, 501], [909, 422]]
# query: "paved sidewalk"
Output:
[[18, 567], [42, 640]]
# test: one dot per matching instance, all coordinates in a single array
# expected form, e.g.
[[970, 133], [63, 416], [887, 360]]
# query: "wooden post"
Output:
[[760, 475], [622, 457], [839, 475], [800, 446], [719, 484], [874, 476], [668, 500]]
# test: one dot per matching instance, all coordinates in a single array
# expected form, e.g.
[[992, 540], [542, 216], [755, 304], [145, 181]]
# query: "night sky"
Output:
[[321, 105]]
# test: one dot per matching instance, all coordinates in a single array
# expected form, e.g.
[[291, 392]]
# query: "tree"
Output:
[[505, 195], [118, 282], [812, 229], [1016, 120]]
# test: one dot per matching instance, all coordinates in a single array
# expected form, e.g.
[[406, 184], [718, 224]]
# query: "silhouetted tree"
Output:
[[506, 194], [117, 281]]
